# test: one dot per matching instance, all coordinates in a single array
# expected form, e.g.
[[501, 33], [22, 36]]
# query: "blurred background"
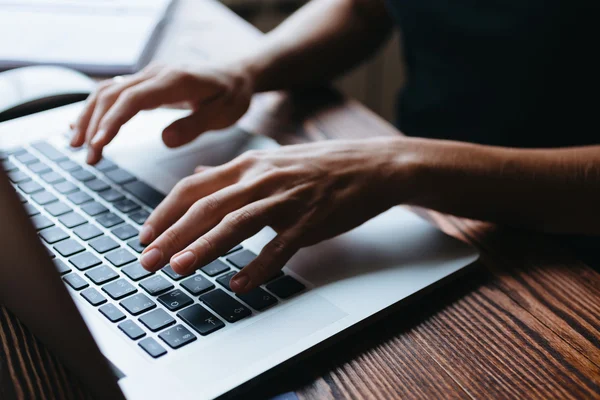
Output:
[[374, 83]]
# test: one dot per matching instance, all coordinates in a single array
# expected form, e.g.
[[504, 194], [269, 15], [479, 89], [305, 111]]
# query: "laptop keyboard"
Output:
[[89, 219]]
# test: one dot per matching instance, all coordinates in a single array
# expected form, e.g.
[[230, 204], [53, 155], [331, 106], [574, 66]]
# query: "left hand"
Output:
[[307, 193]]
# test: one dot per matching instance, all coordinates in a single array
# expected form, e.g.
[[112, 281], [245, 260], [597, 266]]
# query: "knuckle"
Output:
[[239, 217], [184, 187], [277, 246], [173, 239], [210, 205], [129, 96], [207, 245]]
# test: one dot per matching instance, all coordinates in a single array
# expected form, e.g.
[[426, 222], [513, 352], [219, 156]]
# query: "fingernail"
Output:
[[151, 258], [98, 137], [183, 261], [239, 282], [91, 155], [146, 234]]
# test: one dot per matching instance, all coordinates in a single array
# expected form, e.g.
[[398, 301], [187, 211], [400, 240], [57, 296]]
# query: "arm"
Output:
[[550, 190], [320, 41]]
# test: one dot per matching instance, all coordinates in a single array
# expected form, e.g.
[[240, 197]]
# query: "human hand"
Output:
[[217, 97], [306, 193]]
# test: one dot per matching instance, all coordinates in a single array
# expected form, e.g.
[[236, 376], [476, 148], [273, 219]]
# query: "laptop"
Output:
[[118, 38], [69, 267]]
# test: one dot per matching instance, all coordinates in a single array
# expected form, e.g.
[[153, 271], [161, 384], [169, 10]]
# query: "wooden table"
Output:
[[525, 323]]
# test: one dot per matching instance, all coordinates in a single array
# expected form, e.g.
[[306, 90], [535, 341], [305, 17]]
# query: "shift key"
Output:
[[226, 306]]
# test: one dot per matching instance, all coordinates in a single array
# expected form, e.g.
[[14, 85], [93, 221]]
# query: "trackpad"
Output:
[[263, 338]]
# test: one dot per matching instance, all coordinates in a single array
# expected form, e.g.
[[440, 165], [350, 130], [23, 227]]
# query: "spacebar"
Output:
[[145, 193]]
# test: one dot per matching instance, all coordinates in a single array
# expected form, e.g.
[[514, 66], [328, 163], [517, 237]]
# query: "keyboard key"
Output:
[[68, 247], [85, 261], [242, 258], [258, 299], [215, 268], [83, 175], [26, 158], [111, 312], [94, 208], [105, 165], [120, 176], [177, 336], [200, 319], [93, 296], [87, 231], [224, 280], [39, 168], [285, 287], [119, 289], [52, 177], [53, 235], [156, 285], [65, 187], [103, 244], [233, 250], [175, 300], [49, 151], [97, 185], [18, 177], [120, 257], [148, 195], [9, 166], [172, 274], [157, 320], [126, 206], [136, 272], [197, 285], [30, 209], [50, 253], [152, 347], [132, 329], [61, 267], [226, 306], [72, 219], [139, 217], [136, 245], [101, 275], [138, 304], [22, 198], [43, 198], [58, 208], [79, 198], [69, 165], [40, 222], [111, 195], [75, 281], [109, 220], [30, 187], [125, 232]]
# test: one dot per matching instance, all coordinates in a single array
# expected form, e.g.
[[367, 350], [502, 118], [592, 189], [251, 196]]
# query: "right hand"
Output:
[[218, 97]]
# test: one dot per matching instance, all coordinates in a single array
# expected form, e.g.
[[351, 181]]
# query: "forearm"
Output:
[[550, 190], [320, 41]]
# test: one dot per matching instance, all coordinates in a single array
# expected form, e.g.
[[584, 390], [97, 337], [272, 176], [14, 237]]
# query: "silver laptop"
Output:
[[71, 229]]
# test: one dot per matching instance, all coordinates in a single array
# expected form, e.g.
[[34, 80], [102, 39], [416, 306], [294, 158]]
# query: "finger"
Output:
[[271, 259], [149, 94], [205, 214], [104, 101], [184, 130], [201, 168], [181, 198], [236, 227], [79, 127]]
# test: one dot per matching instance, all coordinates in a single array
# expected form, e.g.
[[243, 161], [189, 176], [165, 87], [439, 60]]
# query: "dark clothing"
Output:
[[505, 72]]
